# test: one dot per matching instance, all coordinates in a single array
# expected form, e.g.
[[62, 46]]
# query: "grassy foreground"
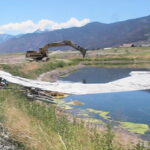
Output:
[[39, 126]]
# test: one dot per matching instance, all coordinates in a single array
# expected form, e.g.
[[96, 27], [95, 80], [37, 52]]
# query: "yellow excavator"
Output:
[[42, 53]]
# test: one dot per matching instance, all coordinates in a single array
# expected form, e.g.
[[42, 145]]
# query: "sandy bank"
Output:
[[53, 75]]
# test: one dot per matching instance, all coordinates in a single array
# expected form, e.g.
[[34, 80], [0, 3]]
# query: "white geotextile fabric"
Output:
[[138, 80]]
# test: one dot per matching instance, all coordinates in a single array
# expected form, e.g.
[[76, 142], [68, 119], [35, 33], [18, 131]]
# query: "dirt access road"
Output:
[[12, 58]]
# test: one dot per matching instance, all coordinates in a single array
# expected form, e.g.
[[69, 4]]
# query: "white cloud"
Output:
[[29, 26]]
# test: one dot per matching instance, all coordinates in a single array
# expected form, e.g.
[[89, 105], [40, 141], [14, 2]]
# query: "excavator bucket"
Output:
[[83, 52]]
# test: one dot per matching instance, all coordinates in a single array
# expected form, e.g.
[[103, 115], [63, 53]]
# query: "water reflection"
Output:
[[99, 75], [84, 81]]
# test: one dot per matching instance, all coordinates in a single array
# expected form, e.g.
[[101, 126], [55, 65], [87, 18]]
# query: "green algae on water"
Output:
[[101, 113], [135, 127]]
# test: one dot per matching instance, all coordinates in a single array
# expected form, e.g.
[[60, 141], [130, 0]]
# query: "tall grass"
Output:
[[40, 126]]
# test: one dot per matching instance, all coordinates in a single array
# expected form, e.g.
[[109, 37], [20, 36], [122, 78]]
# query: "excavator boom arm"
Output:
[[63, 43]]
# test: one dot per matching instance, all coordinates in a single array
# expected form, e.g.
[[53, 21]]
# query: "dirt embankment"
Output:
[[53, 75]]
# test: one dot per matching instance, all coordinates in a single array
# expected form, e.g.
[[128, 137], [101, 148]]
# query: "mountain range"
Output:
[[91, 36], [5, 37]]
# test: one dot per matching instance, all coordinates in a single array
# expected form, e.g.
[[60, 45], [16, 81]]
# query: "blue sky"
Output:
[[61, 11]]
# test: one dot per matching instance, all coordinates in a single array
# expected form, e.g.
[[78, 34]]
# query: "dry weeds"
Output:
[[29, 131]]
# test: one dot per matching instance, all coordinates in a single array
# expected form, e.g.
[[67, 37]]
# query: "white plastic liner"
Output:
[[138, 80]]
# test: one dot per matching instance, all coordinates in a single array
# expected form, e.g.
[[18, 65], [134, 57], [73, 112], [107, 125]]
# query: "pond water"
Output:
[[132, 106], [99, 75]]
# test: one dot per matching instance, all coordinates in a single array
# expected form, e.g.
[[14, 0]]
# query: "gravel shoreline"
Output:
[[52, 76]]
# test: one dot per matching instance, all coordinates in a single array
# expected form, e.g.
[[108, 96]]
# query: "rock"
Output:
[[5, 142]]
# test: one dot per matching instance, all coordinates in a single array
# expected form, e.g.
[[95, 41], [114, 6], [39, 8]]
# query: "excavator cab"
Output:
[[36, 55]]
